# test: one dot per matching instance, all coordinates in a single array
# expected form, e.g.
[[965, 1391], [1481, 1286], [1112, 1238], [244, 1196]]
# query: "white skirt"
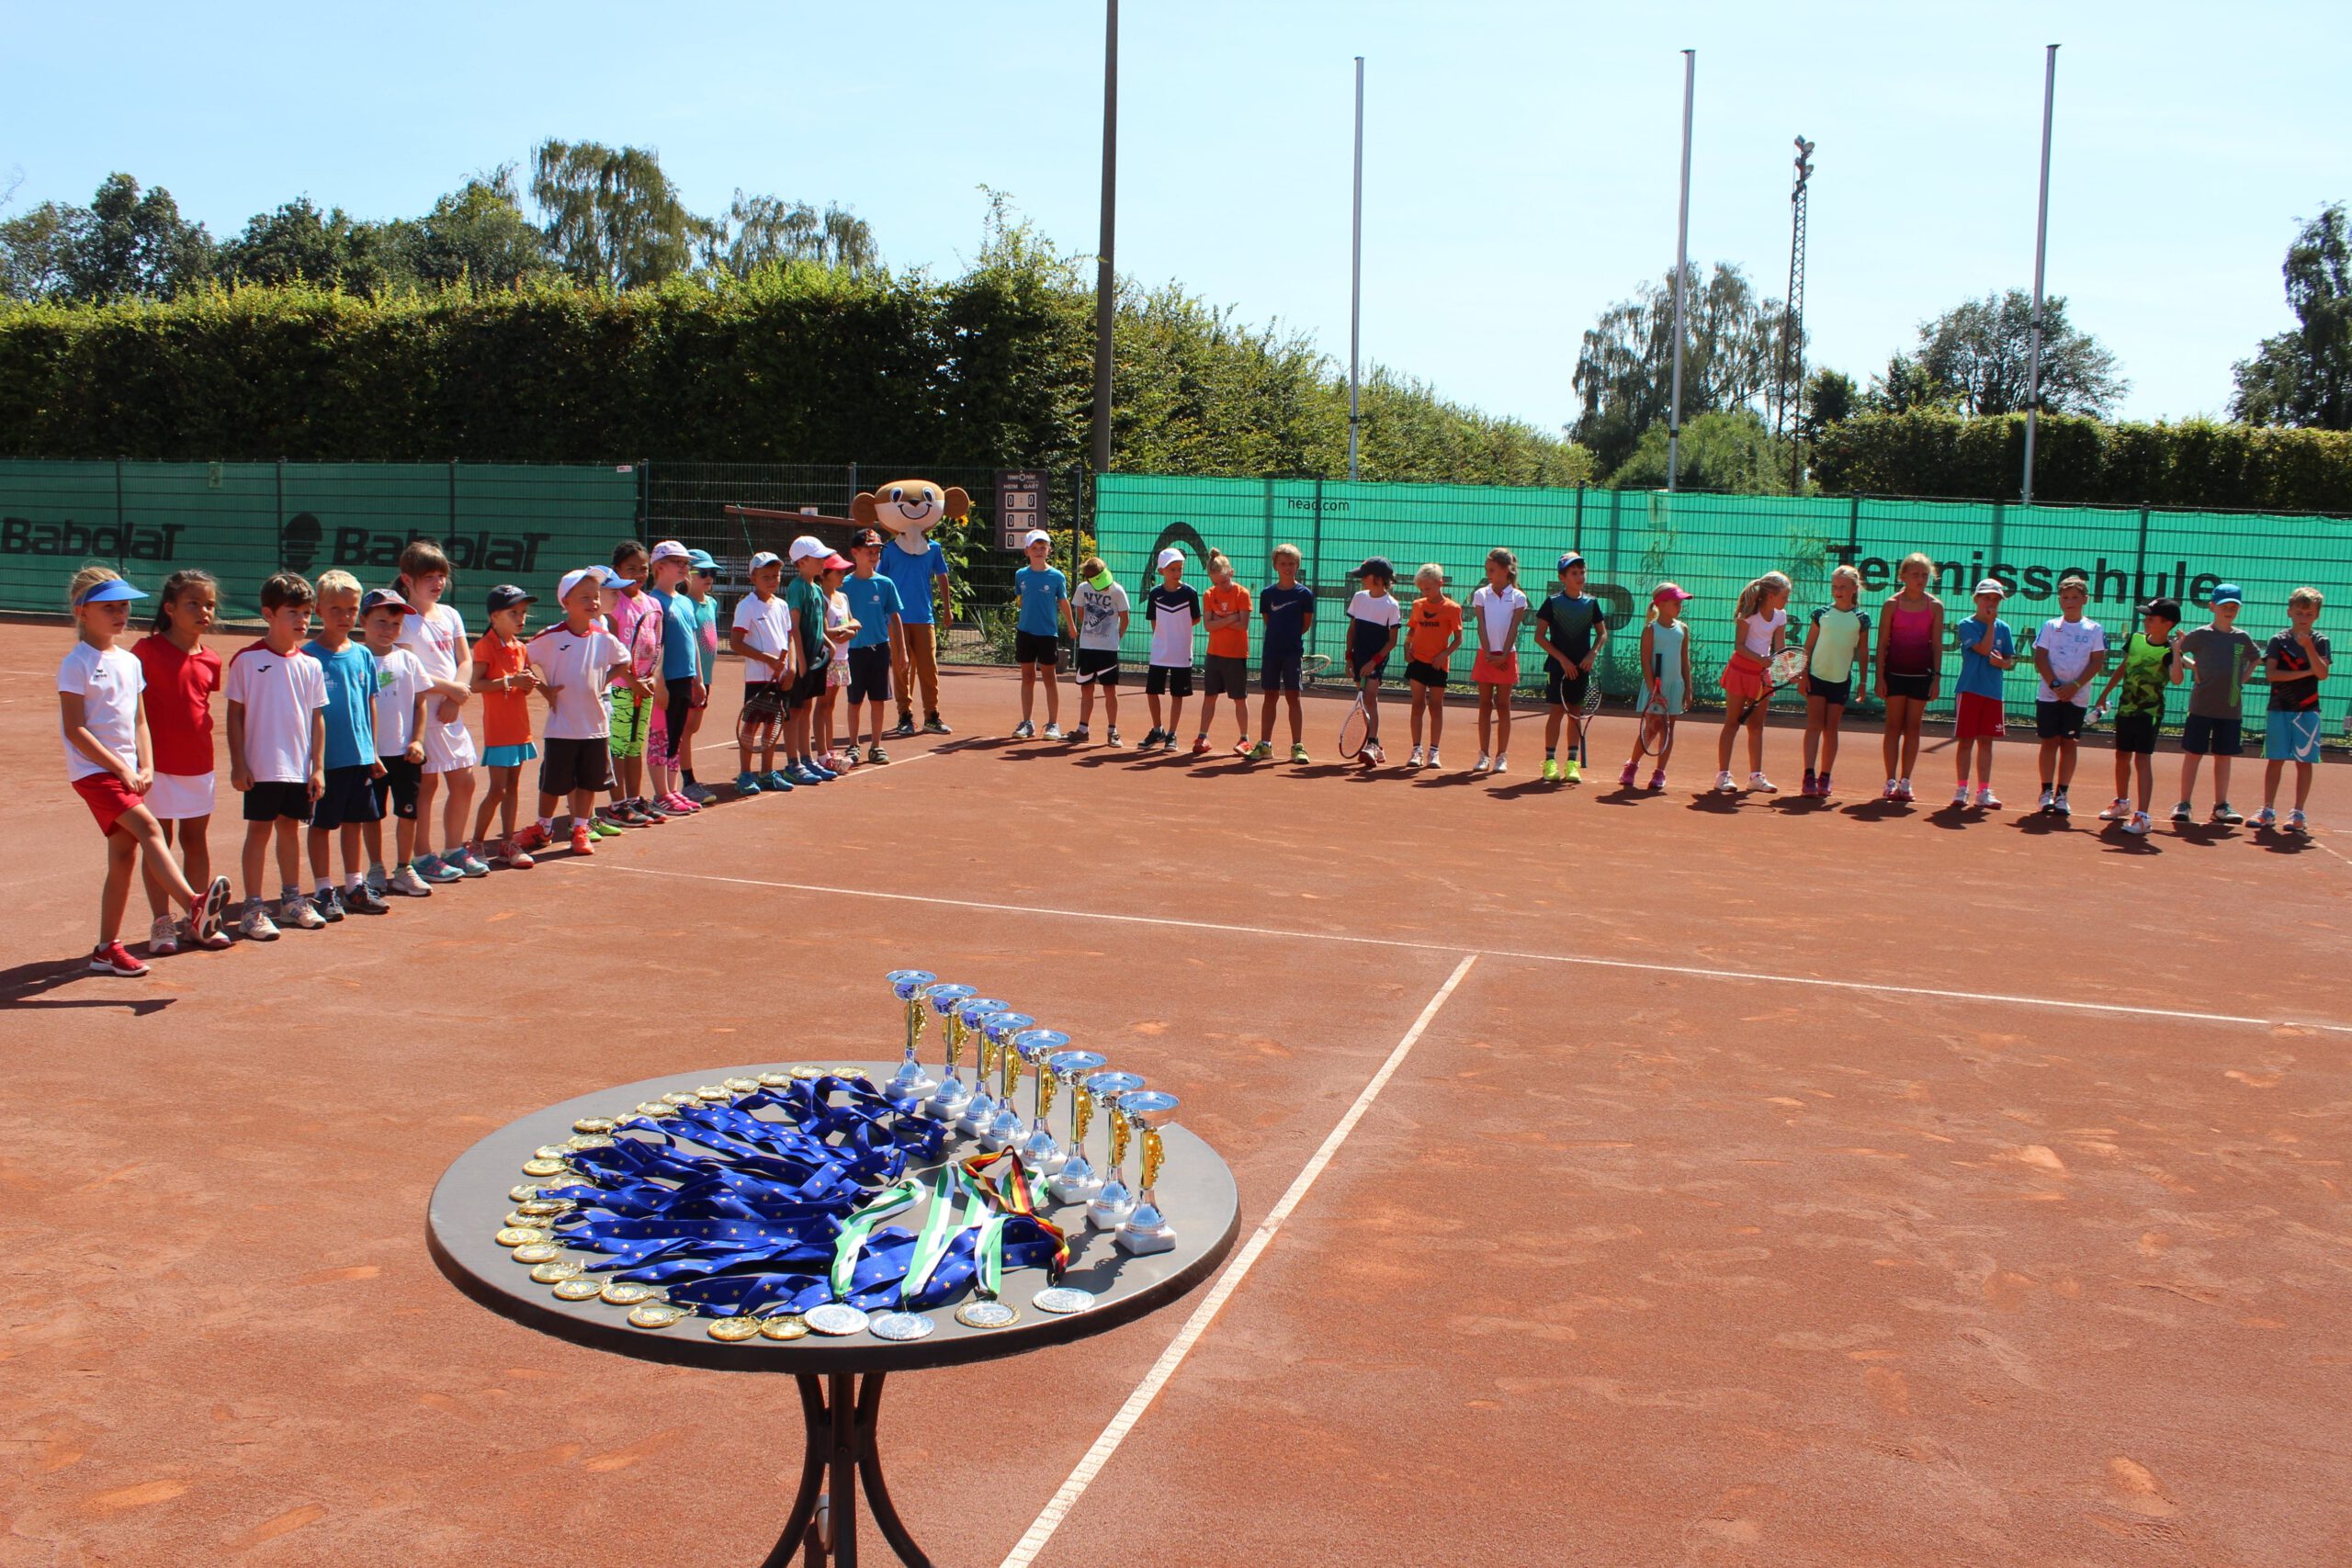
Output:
[[176, 797], [449, 747]]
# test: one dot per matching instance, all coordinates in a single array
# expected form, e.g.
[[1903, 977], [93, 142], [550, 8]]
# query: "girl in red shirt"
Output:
[[502, 675], [182, 674]]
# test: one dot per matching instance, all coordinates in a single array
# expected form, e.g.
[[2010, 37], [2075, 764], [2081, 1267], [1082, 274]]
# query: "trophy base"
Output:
[[1042, 1156], [1146, 1231], [977, 1115], [910, 1087], [1075, 1183], [1001, 1134], [949, 1102], [1109, 1209]]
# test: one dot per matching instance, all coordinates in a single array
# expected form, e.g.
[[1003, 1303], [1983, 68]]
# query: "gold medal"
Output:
[[552, 1151], [519, 1235], [524, 1193], [804, 1074], [556, 1271], [628, 1293], [544, 1206], [538, 1252], [988, 1314], [857, 1073], [594, 1124], [656, 1315], [734, 1330], [590, 1141], [775, 1080], [713, 1093], [656, 1109], [576, 1289], [537, 1166], [680, 1097], [742, 1085], [788, 1326]]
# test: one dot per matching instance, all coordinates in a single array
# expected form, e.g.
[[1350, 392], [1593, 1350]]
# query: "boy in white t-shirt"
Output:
[[1173, 608], [277, 700], [403, 689], [2068, 653], [1101, 609], [762, 638], [575, 661]]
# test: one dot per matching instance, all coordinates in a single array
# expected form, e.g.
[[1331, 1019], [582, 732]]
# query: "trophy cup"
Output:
[[1111, 1206], [1076, 1182], [1039, 1151], [1003, 1130], [943, 1000], [955, 1023], [910, 1082], [979, 1106], [1147, 1230]]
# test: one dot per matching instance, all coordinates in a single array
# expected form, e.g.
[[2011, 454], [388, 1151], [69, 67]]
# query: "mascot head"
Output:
[[910, 509]]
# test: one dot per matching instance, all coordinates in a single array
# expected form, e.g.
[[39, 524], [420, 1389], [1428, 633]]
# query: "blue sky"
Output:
[[1520, 159]]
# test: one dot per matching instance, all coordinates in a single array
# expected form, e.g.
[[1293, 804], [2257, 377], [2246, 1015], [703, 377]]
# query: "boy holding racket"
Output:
[[1172, 609], [760, 635], [572, 662], [1985, 653], [1287, 606], [1374, 620], [1571, 630], [2296, 661]]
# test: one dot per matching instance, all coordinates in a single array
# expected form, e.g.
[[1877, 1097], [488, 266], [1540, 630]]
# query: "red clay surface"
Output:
[[1626, 1265]]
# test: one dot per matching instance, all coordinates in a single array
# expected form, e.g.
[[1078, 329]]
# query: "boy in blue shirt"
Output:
[[1036, 636], [1287, 606], [348, 798], [1986, 648], [880, 614]]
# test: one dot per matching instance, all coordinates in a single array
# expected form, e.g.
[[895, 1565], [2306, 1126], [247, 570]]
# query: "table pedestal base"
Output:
[[839, 1410]]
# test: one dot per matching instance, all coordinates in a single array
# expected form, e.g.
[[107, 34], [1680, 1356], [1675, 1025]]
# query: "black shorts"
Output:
[[1097, 666], [1279, 672], [2057, 721], [1036, 648], [1836, 694], [2136, 733], [271, 799], [347, 797], [869, 674], [1562, 689], [806, 687], [573, 763], [1422, 671], [1225, 676], [398, 787], [2212, 737], [1168, 677], [1915, 687], [1369, 675]]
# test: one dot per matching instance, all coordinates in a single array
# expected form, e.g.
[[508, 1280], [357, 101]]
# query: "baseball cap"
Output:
[[865, 539], [506, 596], [669, 549], [1992, 585], [1170, 556], [833, 562], [1035, 537], [1571, 559], [766, 557], [1375, 565], [384, 598], [809, 547], [113, 590], [572, 579], [1667, 591], [702, 560], [2228, 594], [2167, 608]]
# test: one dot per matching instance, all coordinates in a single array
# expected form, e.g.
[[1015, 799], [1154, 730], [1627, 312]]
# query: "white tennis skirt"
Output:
[[449, 747], [176, 797]]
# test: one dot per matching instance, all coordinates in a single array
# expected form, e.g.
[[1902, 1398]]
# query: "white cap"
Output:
[[669, 549], [1170, 556], [1992, 585], [766, 557], [572, 579], [809, 547], [1036, 537]]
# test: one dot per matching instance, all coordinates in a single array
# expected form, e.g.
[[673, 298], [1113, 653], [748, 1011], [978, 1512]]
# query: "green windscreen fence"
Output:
[[1713, 544]]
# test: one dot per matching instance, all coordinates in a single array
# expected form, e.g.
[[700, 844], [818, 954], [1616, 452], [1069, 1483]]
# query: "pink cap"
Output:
[[1665, 591]]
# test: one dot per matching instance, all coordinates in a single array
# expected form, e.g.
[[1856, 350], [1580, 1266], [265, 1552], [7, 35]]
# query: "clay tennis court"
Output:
[[1626, 1179]]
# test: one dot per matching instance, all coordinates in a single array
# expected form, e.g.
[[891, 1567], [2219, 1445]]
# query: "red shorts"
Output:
[[1742, 677], [1495, 669], [108, 797], [1979, 718]]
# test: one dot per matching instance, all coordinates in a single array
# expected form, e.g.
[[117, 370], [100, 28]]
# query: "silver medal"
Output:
[[1062, 1298], [834, 1318], [901, 1326], [987, 1314]]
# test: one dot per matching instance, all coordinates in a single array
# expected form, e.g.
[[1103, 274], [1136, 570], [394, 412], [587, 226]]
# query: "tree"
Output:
[[479, 234], [332, 250], [34, 247], [2304, 378], [1973, 359], [1625, 366], [1830, 397], [760, 230], [612, 216], [135, 245], [1727, 449]]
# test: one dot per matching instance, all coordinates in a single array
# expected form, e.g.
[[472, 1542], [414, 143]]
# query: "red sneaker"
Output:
[[1200, 744], [581, 839], [113, 958], [532, 837]]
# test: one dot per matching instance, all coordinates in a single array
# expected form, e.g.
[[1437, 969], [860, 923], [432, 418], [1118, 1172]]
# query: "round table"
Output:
[[841, 1379]]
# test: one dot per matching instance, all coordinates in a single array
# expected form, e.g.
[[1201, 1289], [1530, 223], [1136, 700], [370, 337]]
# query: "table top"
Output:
[[470, 1203]]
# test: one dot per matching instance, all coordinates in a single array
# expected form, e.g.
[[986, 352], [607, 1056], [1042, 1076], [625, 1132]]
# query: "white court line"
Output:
[[1636, 965], [1049, 1519]]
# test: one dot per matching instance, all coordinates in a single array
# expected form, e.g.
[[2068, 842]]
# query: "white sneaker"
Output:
[[1987, 799], [1723, 785], [2138, 824], [1482, 764], [163, 937], [301, 913], [256, 925], [2266, 818], [1502, 764], [2118, 810], [1053, 732], [1415, 759], [2049, 797], [1960, 796], [1761, 784], [2296, 823], [378, 880], [1434, 761], [408, 883]]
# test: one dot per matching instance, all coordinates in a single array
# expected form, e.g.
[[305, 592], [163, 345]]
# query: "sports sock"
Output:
[[357, 882], [689, 774], [324, 888], [547, 824]]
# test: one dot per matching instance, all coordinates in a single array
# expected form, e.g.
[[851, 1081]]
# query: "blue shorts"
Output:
[[2293, 737], [508, 756], [1279, 672]]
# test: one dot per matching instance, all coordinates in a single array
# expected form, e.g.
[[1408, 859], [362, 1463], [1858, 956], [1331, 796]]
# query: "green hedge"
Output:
[[2195, 463]]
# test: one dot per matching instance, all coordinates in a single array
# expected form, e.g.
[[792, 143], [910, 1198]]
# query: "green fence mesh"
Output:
[[1713, 544]]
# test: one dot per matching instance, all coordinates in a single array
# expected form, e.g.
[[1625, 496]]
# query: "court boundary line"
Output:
[[1065, 1498], [1687, 971]]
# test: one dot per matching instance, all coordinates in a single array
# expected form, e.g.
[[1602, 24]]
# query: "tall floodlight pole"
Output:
[[1791, 409], [1355, 283], [2040, 249], [1682, 277], [1106, 277]]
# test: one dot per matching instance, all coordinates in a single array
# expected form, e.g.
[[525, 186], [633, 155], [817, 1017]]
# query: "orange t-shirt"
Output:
[[1228, 642], [1434, 626], [505, 716]]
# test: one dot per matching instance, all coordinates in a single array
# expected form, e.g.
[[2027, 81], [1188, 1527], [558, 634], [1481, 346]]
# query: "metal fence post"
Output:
[[2140, 561], [453, 498], [117, 496], [1853, 527], [1579, 530]]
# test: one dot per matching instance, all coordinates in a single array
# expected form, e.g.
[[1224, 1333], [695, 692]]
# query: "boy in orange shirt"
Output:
[[1434, 631], [1225, 611], [502, 674]]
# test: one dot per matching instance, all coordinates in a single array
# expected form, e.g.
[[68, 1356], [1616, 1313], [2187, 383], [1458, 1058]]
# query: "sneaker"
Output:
[[1024, 731], [2138, 823], [581, 839], [328, 905], [469, 864], [1111, 738], [1502, 764], [1374, 756], [1888, 793], [533, 837], [1811, 778], [1821, 786], [1761, 784], [2224, 816], [1658, 779], [1960, 796], [1168, 741], [904, 729], [434, 868], [2183, 812], [408, 883], [2297, 824], [1574, 770], [849, 757], [1987, 800], [163, 937], [255, 925], [1415, 759], [649, 812], [1434, 762], [877, 758], [1903, 789], [1550, 770], [1080, 735], [1243, 750], [932, 726], [2061, 804], [2118, 810], [1200, 744], [1297, 752], [1724, 786], [616, 815], [2266, 818], [365, 901], [700, 794], [512, 856], [817, 766], [600, 829], [378, 880], [1261, 751], [1482, 764], [747, 783], [774, 782], [113, 958], [677, 804], [1625, 779], [1053, 730], [2049, 798], [295, 910], [799, 774]]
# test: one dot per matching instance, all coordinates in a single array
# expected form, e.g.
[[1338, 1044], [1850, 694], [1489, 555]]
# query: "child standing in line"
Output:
[[1985, 651], [1910, 668], [436, 633], [2068, 653], [633, 694], [702, 578], [181, 675], [805, 605], [682, 685], [277, 700], [1760, 630], [1287, 606], [1101, 606], [103, 721], [1501, 607], [2222, 658], [1037, 634], [1835, 644], [403, 688], [874, 604], [2296, 662], [842, 627], [1666, 671], [1571, 630], [1373, 619], [572, 662], [762, 638], [1172, 609], [347, 799], [1433, 632], [1225, 664], [2149, 662], [502, 674]]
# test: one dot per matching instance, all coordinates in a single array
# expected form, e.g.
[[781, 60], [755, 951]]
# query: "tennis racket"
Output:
[[1785, 667], [645, 666], [1657, 725], [1314, 664], [1355, 728], [1585, 717], [762, 711]]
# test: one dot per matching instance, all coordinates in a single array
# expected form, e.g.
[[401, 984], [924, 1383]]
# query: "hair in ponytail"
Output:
[[1508, 559], [1751, 598], [184, 581]]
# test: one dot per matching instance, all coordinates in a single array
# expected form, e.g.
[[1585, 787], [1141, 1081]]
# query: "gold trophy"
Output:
[[1109, 1208], [1003, 1130], [911, 1083], [1147, 1230], [1037, 1047], [945, 1000], [1076, 1182], [980, 1105]]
